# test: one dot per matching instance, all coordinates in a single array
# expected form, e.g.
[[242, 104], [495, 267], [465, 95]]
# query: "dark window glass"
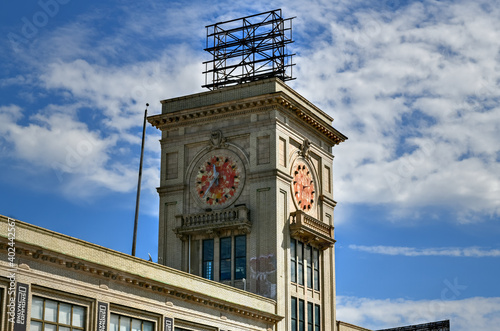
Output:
[[208, 259], [293, 260], [301, 316], [316, 268], [225, 258], [317, 318], [240, 257], [294, 314], [310, 316], [300, 260], [309, 266]]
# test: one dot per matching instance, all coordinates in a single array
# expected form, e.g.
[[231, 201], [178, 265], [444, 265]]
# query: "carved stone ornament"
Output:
[[304, 148], [217, 140]]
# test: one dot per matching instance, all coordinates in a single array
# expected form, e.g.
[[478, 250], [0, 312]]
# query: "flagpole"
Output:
[[139, 182]]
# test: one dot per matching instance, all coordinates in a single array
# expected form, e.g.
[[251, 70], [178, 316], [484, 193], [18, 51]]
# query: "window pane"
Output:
[[208, 250], [64, 328], [293, 261], [36, 326], [310, 316], [136, 325], [300, 260], [49, 327], [78, 316], [240, 246], [316, 269], [124, 323], [225, 270], [208, 271], [65, 313], [147, 326], [208, 258], [294, 314], [37, 308], [113, 322], [309, 267], [301, 316], [317, 318], [240, 268], [50, 311], [225, 248]]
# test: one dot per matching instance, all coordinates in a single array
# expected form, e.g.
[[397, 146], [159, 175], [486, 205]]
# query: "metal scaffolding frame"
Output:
[[248, 49]]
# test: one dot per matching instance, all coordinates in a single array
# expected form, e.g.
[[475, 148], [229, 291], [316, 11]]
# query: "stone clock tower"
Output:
[[246, 196]]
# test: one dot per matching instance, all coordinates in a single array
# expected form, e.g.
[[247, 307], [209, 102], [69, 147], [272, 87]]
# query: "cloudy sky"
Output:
[[413, 84]]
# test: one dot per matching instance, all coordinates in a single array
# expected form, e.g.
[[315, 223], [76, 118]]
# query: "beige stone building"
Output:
[[246, 229]]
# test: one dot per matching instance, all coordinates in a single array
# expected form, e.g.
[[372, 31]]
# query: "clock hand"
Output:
[[211, 183]]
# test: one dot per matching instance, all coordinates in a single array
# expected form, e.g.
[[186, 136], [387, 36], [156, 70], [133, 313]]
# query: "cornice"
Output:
[[122, 268], [246, 106]]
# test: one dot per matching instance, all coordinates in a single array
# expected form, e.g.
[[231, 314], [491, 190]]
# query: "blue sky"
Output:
[[413, 84]]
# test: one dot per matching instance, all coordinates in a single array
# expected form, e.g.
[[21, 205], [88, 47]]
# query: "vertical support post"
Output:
[[139, 182]]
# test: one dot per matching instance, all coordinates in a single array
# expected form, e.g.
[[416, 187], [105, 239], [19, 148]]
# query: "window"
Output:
[[240, 257], [301, 315], [225, 258], [317, 318], [124, 323], [300, 261], [315, 258], [300, 255], [309, 315], [309, 266], [208, 259], [50, 315], [293, 261]]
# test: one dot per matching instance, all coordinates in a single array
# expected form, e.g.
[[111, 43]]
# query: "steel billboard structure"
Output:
[[248, 49]]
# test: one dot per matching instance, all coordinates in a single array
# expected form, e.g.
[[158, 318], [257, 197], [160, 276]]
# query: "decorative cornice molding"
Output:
[[246, 106]]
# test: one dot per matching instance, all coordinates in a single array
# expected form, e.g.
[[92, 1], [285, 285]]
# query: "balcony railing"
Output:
[[213, 221], [310, 230]]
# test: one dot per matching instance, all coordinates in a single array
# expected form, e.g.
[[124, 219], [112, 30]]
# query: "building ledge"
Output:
[[213, 222], [310, 230]]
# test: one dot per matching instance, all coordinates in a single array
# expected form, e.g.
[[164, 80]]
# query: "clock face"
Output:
[[303, 187], [218, 179]]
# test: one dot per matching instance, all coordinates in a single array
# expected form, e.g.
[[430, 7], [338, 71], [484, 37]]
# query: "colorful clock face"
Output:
[[303, 187], [219, 179]]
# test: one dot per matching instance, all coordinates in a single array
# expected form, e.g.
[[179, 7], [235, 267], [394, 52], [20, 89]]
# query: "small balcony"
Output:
[[212, 222], [310, 230]]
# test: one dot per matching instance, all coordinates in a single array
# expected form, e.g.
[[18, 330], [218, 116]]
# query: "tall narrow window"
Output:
[[225, 258], [123, 323], [317, 318], [208, 259], [310, 325], [309, 266], [49, 315], [293, 260], [300, 262], [294, 314], [315, 259], [301, 316], [240, 257]]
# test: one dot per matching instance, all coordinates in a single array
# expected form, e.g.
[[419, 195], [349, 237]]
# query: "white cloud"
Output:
[[477, 313], [443, 251], [416, 92]]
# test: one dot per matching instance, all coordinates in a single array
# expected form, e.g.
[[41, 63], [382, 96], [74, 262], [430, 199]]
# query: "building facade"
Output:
[[246, 196]]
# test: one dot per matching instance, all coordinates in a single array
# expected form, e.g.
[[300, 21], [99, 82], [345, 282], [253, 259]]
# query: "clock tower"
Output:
[[246, 194]]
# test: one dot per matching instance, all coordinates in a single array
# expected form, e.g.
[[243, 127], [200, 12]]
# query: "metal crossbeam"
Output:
[[248, 49]]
